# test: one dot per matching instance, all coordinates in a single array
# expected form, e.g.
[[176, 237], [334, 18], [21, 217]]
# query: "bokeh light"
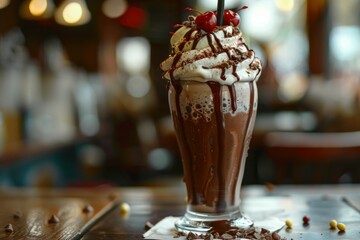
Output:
[[133, 55], [72, 12], [285, 5], [4, 3], [344, 43], [114, 8], [160, 159], [138, 86], [38, 7]]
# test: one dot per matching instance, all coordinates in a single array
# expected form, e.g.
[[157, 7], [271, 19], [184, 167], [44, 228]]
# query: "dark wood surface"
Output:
[[151, 204], [31, 214]]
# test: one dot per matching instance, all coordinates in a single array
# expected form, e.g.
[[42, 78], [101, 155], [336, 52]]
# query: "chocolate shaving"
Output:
[[88, 209], [9, 228], [251, 233], [275, 236], [113, 196], [53, 219], [148, 225], [17, 214], [227, 236]]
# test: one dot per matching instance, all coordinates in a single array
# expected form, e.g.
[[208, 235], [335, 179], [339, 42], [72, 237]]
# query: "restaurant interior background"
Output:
[[83, 102]]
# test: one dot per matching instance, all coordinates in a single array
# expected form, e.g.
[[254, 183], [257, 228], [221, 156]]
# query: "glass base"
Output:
[[202, 224]]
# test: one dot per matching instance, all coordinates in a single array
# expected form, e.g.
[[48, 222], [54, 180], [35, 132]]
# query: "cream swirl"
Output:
[[220, 56]]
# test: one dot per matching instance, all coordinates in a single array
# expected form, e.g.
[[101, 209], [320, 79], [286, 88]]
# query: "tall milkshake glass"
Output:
[[213, 125], [213, 100]]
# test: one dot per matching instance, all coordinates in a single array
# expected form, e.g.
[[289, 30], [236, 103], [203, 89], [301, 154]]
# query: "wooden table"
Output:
[[149, 204]]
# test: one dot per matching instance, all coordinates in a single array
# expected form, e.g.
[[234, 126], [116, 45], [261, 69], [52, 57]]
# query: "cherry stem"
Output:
[[242, 8], [177, 25], [193, 10], [220, 12]]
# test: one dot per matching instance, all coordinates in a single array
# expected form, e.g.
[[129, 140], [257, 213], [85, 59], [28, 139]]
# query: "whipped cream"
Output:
[[220, 56]]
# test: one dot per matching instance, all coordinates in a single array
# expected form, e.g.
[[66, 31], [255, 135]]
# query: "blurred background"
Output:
[[83, 102]]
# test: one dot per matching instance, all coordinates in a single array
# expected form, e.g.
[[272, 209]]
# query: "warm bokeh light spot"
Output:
[[4, 3], [285, 5], [72, 12], [134, 17], [114, 8], [37, 7]]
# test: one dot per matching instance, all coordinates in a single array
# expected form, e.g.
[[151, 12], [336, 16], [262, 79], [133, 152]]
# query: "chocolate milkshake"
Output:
[[213, 101]]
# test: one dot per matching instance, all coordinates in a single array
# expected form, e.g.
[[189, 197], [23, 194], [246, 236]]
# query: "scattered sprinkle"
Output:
[[270, 187], [306, 220], [124, 209], [341, 227], [333, 224], [289, 223]]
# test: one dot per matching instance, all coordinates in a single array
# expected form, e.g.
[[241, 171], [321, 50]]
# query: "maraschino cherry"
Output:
[[232, 18], [205, 21]]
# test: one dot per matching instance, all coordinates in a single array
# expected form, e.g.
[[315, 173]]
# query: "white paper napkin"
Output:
[[165, 229]]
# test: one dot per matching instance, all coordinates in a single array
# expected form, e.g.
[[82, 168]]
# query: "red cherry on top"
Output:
[[206, 21], [231, 18]]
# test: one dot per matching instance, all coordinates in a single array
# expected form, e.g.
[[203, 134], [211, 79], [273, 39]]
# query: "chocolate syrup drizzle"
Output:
[[217, 100], [243, 153], [181, 134], [217, 97]]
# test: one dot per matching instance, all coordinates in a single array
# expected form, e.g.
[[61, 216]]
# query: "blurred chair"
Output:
[[314, 158]]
